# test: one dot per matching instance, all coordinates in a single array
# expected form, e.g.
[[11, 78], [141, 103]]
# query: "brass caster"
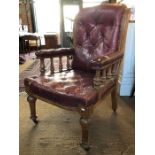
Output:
[[114, 110], [86, 147], [34, 119]]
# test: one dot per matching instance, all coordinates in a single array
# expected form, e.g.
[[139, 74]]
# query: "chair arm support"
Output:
[[52, 54], [46, 53], [106, 68], [99, 63]]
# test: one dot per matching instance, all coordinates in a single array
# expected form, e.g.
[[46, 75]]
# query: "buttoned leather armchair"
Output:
[[92, 66]]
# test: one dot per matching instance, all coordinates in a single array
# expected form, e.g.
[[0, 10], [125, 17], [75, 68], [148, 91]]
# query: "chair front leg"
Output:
[[32, 105], [84, 122]]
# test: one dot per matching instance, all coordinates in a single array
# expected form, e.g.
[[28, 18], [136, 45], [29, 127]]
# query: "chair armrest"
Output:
[[107, 68], [99, 63], [52, 54], [46, 53]]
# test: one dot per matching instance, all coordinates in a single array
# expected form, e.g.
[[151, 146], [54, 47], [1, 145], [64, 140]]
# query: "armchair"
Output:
[[92, 66]]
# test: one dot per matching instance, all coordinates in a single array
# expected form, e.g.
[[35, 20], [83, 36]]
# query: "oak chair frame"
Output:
[[109, 69]]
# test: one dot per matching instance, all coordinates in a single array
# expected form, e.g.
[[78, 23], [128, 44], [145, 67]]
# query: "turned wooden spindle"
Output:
[[60, 64], [117, 66], [52, 66], [42, 66], [97, 79], [98, 74], [71, 61], [109, 72], [113, 69], [68, 63], [104, 76]]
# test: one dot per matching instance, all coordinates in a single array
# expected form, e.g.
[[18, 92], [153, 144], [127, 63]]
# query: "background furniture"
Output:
[[65, 18], [51, 41], [29, 42], [26, 14], [91, 69]]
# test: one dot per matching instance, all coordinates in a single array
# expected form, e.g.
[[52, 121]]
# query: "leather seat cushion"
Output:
[[72, 88]]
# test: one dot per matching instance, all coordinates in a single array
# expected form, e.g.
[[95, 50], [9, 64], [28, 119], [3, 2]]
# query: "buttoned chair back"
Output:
[[97, 32]]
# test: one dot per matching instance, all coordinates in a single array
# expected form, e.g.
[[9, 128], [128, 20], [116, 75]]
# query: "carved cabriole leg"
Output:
[[114, 99], [32, 104], [84, 122]]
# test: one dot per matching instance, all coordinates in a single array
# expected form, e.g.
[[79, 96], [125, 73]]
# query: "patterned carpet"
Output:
[[25, 69], [30, 70], [59, 132]]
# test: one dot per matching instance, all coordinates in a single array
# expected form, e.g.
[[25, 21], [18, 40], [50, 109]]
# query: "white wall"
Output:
[[127, 75]]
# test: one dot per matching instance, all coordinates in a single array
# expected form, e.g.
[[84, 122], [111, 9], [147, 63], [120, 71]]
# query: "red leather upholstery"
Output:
[[68, 88], [55, 52], [96, 33]]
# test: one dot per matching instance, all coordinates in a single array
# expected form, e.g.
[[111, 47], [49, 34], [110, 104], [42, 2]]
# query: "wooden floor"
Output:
[[59, 132]]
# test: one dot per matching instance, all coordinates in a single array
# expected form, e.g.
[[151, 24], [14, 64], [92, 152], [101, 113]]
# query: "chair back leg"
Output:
[[114, 99]]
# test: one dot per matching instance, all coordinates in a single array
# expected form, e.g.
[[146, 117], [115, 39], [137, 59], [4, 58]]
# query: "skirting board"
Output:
[[125, 89]]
